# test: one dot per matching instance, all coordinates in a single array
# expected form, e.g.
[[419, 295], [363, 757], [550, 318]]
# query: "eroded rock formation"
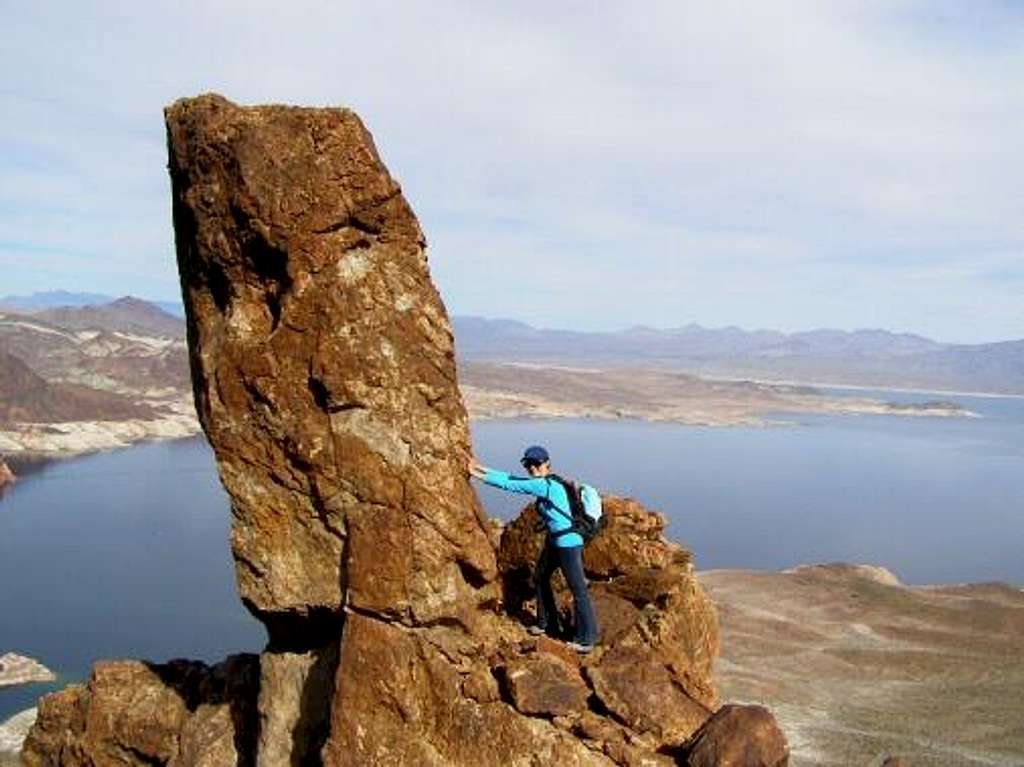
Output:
[[324, 377], [181, 714]]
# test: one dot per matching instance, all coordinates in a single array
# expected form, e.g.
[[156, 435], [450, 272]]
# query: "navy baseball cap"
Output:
[[535, 454]]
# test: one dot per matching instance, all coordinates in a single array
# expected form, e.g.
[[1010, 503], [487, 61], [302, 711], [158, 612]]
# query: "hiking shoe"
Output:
[[581, 647], [536, 630]]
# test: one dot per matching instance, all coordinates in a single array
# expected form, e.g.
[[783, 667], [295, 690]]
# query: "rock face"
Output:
[[739, 736], [323, 369], [132, 713], [324, 377], [659, 630]]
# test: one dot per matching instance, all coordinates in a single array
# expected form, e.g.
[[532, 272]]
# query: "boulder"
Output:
[[134, 713], [739, 736], [543, 684]]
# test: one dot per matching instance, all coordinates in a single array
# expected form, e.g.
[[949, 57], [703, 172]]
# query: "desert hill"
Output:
[[26, 397], [85, 378], [858, 666], [126, 315]]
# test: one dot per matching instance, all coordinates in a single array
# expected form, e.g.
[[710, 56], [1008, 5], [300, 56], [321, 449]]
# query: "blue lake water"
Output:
[[125, 554]]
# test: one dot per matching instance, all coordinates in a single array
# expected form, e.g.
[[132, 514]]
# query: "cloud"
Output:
[[792, 164]]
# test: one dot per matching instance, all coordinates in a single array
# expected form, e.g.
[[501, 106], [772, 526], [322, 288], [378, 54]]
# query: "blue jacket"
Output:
[[552, 503]]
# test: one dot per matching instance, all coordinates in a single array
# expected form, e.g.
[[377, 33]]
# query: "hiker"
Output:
[[563, 546]]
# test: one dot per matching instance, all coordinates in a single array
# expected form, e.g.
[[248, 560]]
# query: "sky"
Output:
[[588, 165]]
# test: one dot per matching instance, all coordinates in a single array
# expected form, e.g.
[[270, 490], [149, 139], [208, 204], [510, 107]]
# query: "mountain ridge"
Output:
[[60, 299], [870, 357]]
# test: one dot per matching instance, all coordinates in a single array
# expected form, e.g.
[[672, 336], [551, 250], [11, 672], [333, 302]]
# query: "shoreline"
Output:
[[862, 387], [18, 669]]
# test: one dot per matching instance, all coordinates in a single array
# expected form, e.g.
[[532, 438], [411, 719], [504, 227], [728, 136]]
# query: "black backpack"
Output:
[[582, 523]]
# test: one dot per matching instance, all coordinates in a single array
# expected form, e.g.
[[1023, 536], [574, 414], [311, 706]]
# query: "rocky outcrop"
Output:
[[323, 370], [179, 714], [739, 736], [659, 630], [324, 377]]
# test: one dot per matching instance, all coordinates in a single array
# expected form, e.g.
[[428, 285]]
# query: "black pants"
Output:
[[570, 560]]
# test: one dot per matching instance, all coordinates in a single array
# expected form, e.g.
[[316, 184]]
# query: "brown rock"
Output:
[[323, 368], [739, 736], [545, 685], [635, 686], [399, 701], [659, 630], [632, 540], [134, 713]]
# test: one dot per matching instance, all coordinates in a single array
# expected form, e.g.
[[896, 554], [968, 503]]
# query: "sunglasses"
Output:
[[528, 464]]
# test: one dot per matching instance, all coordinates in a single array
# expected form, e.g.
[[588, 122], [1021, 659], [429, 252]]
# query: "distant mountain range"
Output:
[[82, 337], [61, 299], [877, 358]]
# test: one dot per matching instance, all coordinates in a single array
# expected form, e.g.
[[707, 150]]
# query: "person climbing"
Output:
[[563, 546]]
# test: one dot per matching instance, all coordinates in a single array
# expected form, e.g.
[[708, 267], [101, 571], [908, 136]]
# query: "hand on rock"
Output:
[[476, 469]]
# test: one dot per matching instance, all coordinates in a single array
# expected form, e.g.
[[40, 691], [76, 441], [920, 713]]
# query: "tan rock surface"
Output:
[[543, 684]]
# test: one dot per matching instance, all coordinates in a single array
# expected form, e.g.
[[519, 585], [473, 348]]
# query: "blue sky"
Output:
[[579, 164]]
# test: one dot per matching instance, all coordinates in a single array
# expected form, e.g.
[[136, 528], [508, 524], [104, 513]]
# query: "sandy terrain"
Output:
[[494, 390], [175, 418], [857, 666]]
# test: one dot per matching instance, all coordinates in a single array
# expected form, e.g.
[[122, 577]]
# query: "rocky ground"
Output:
[[857, 666], [516, 390]]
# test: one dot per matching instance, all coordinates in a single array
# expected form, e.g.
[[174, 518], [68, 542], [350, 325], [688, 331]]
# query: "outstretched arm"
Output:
[[537, 486]]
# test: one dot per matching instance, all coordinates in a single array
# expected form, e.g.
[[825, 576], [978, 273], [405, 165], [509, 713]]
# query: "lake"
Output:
[[125, 554]]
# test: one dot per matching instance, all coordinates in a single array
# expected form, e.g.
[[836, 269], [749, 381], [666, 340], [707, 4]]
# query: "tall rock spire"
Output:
[[323, 369]]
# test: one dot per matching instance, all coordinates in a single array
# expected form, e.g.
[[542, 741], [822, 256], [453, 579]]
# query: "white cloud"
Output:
[[787, 164]]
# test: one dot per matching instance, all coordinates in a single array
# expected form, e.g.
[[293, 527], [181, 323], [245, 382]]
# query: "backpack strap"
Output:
[[554, 477]]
